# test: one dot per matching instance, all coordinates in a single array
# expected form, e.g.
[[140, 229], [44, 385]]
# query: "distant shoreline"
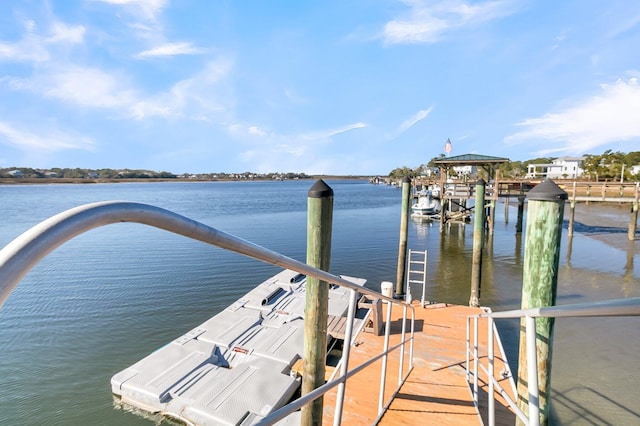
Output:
[[80, 181]]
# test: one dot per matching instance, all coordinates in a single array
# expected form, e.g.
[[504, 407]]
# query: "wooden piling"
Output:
[[478, 237], [404, 233], [520, 213], [539, 285], [319, 224], [506, 206]]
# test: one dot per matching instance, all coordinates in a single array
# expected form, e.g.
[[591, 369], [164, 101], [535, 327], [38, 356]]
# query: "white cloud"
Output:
[[61, 32], [428, 21], [302, 152], [325, 134], [197, 97], [612, 116], [411, 121], [255, 130], [49, 140], [146, 9], [87, 87], [36, 48], [170, 49]]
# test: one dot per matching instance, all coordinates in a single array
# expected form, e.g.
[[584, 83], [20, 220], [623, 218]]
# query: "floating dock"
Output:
[[244, 363], [236, 367]]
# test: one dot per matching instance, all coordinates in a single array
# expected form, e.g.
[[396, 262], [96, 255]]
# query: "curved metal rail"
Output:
[[19, 256], [22, 254]]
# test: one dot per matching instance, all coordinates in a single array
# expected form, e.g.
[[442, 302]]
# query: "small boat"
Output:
[[236, 367], [426, 204]]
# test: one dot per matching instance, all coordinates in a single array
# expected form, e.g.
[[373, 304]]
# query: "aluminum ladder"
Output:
[[417, 272]]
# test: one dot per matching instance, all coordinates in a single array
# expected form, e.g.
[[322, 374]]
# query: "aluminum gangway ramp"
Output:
[[417, 272]]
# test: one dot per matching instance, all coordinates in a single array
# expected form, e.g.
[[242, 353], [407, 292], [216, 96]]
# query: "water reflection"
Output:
[[569, 250], [628, 279], [422, 225], [518, 249]]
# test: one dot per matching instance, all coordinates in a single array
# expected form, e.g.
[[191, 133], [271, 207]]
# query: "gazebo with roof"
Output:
[[487, 163]]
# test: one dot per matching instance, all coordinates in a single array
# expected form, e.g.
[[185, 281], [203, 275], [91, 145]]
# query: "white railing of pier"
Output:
[[618, 307], [19, 256]]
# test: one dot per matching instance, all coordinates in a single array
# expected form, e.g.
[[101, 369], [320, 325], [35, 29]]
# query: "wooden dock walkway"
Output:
[[436, 391]]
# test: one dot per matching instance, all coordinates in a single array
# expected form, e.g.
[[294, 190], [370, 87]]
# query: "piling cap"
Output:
[[320, 190], [547, 190], [481, 182], [406, 179]]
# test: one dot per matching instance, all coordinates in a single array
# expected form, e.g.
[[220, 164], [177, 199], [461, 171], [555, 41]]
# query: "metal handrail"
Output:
[[19, 256], [609, 308]]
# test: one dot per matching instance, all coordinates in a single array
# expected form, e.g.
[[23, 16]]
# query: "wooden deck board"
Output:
[[436, 391]]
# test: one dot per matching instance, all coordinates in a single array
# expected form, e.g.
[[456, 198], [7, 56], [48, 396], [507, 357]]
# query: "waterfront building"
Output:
[[560, 168]]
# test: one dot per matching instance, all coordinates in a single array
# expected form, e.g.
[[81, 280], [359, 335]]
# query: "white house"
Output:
[[15, 173], [635, 170], [560, 168]]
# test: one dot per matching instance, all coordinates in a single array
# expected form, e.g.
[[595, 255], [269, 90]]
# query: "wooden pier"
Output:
[[457, 194], [436, 391]]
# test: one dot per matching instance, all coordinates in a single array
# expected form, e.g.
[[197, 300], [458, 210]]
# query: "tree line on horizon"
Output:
[[608, 165], [115, 174]]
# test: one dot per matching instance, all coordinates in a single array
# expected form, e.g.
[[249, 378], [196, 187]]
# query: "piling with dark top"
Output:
[[478, 237], [404, 233], [539, 284], [319, 224]]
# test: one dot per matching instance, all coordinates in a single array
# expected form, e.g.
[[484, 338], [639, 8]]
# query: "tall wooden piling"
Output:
[[319, 225], [478, 237], [404, 233], [539, 285]]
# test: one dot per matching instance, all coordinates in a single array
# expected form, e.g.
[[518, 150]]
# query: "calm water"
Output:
[[109, 297]]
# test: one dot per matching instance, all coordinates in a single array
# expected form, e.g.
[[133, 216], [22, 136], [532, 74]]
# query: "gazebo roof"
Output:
[[471, 159]]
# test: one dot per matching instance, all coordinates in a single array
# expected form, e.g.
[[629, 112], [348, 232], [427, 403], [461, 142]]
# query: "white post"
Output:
[[387, 331], [404, 330], [532, 372], [475, 361], [346, 349], [491, 396]]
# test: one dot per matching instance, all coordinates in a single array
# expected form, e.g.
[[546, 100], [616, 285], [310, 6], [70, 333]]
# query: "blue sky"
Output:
[[336, 87]]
